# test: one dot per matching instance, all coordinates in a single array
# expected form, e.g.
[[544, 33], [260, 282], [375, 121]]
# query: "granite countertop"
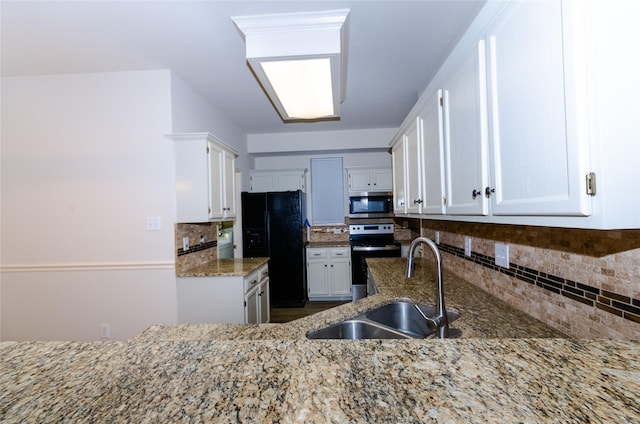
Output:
[[509, 369], [225, 268], [327, 244], [481, 314]]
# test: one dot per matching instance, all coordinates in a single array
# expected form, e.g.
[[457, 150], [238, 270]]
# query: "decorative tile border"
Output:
[[622, 306], [197, 248]]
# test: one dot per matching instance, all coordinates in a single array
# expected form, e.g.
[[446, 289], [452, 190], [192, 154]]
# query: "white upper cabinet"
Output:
[[205, 178], [277, 180], [539, 152], [370, 179], [465, 129], [432, 155], [538, 120]]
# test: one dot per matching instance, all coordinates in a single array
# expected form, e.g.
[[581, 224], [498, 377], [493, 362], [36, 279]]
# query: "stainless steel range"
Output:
[[369, 241]]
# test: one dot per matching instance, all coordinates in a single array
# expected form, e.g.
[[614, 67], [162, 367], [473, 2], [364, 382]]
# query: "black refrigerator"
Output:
[[273, 226]]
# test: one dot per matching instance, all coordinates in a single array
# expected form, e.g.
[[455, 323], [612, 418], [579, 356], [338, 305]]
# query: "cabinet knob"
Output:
[[475, 193], [488, 191]]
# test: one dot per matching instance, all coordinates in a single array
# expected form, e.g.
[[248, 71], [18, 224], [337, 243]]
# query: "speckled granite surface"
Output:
[[225, 267], [298, 381], [482, 315], [215, 373]]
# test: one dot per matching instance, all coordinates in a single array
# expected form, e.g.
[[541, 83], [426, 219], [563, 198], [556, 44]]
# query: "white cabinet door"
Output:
[[538, 160], [359, 180], [228, 183], [397, 161], [251, 306], [216, 175], [263, 295], [317, 273], [291, 181], [432, 156], [340, 276], [412, 166], [222, 175], [382, 179], [262, 182], [466, 133]]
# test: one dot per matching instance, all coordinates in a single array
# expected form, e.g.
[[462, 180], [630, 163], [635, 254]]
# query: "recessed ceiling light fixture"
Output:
[[300, 59]]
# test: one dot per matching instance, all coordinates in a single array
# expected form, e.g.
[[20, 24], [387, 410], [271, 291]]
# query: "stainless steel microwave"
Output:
[[370, 205]]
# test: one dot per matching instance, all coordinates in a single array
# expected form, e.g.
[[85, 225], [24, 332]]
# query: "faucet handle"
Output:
[[431, 323]]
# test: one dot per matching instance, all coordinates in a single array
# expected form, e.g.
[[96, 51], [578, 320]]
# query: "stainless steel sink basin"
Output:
[[397, 320], [356, 329], [404, 317]]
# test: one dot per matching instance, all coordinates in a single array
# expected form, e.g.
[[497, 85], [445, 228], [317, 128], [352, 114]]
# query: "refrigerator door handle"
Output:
[[267, 219]]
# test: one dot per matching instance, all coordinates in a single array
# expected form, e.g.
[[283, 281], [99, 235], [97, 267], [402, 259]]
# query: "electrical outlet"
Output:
[[105, 331], [502, 255], [437, 236], [185, 243], [467, 246]]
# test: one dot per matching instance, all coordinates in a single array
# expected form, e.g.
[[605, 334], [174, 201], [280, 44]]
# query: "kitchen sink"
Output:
[[404, 317], [356, 329], [397, 320]]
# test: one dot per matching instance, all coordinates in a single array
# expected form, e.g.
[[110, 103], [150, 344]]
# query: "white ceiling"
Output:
[[395, 48]]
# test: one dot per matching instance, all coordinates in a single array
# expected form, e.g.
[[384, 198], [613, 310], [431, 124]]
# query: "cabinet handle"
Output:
[[475, 193], [254, 282], [417, 201], [488, 191]]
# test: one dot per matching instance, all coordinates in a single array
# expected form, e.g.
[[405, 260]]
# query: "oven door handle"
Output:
[[374, 248]]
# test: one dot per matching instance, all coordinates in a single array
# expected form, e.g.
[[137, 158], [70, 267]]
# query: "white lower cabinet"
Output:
[[224, 299], [329, 273]]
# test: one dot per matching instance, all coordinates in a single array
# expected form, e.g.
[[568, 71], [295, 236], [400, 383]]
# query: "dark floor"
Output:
[[279, 315]]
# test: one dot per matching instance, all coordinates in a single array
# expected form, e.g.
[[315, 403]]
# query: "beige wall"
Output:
[[85, 161]]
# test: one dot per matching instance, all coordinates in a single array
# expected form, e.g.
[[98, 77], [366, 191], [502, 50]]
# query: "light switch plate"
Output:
[[153, 223], [185, 243], [437, 237], [467, 246], [502, 255]]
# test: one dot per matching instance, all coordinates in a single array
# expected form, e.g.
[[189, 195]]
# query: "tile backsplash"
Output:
[[203, 244], [585, 283]]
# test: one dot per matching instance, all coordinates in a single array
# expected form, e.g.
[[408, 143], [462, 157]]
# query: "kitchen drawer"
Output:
[[263, 273], [315, 253], [340, 253], [250, 281]]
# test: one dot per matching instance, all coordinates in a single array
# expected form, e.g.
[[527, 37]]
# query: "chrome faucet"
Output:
[[440, 322]]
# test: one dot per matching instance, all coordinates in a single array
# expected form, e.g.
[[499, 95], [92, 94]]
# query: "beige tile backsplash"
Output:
[[613, 267], [199, 253]]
